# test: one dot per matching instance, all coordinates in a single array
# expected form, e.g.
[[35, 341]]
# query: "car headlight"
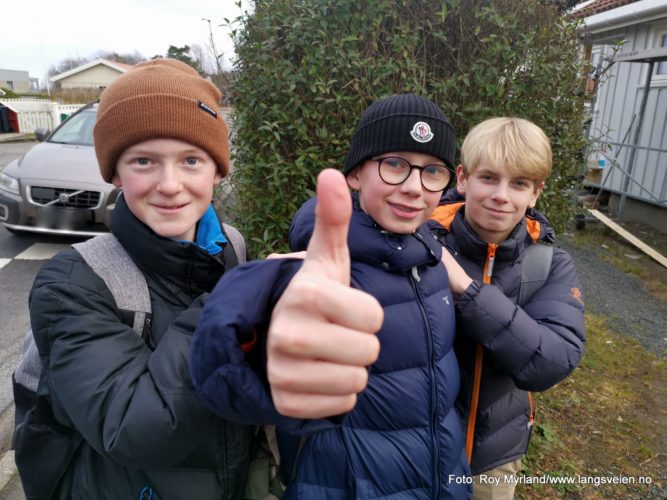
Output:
[[9, 183]]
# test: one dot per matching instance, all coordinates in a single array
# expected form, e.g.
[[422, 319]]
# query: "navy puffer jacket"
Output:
[[524, 349], [404, 438]]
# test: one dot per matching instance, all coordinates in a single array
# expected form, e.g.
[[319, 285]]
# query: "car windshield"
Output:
[[77, 130]]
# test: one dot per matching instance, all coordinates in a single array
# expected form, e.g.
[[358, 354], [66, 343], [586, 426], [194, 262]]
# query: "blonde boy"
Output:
[[505, 350]]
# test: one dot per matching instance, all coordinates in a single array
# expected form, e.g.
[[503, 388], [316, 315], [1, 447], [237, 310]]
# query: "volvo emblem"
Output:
[[63, 197]]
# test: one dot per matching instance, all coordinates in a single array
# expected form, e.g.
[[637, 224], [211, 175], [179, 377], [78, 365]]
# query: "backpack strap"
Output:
[[535, 270], [238, 244], [111, 262], [107, 257], [29, 368]]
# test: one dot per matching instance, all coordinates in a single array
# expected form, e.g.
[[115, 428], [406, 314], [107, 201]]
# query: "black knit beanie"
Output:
[[404, 122]]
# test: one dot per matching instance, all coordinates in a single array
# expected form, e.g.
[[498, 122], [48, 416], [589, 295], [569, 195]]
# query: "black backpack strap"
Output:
[[535, 269]]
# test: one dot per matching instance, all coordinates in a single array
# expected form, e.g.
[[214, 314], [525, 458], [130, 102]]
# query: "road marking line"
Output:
[[4, 262], [41, 251]]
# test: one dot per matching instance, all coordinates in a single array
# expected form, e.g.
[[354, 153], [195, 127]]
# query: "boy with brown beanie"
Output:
[[123, 402], [401, 437], [118, 408]]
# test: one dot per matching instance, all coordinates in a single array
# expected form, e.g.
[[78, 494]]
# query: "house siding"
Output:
[[96, 77], [15, 80], [619, 98]]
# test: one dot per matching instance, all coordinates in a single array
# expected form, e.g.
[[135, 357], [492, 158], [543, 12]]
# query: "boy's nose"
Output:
[[170, 182], [413, 184], [500, 194]]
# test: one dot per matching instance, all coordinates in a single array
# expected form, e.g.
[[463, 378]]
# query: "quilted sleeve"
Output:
[[539, 344]]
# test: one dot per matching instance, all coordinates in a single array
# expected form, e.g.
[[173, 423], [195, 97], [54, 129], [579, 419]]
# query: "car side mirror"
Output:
[[42, 133]]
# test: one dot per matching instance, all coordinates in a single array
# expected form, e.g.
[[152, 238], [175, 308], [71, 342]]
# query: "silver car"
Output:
[[56, 187]]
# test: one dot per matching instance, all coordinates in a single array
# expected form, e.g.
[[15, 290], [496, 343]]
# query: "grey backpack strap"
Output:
[[107, 257], [535, 270], [111, 262], [237, 241], [29, 368]]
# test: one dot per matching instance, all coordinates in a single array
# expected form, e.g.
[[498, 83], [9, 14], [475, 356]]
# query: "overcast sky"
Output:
[[38, 34]]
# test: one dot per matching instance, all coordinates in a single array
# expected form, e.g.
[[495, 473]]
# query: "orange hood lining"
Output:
[[445, 214]]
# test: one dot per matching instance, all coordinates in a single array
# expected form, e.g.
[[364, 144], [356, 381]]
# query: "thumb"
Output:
[[328, 253]]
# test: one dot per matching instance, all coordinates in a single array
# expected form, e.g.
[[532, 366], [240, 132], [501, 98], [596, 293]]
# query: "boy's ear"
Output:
[[115, 180], [461, 180], [353, 179], [536, 194]]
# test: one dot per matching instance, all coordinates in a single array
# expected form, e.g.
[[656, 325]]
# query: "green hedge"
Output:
[[306, 69]]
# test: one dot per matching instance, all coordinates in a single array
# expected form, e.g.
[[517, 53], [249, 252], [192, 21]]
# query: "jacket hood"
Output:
[[369, 243]]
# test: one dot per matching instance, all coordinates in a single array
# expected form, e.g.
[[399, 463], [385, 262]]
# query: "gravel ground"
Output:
[[621, 298]]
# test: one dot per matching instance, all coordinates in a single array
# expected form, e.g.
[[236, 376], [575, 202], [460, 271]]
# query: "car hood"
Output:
[[59, 162]]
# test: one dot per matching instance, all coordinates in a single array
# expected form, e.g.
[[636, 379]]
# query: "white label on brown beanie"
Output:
[[208, 109], [421, 132]]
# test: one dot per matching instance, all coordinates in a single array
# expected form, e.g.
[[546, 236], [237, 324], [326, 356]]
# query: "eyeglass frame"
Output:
[[421, 169]]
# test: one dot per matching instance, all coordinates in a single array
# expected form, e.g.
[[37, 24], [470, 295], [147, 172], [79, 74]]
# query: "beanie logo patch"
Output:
[[208, 109], [421, 132]]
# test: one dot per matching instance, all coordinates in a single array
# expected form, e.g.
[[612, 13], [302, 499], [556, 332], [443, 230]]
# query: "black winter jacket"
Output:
[[524, 349], [145, 432]]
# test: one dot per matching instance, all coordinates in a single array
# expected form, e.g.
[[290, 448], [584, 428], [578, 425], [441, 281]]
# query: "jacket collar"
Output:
[[182, 263], [452, 217], [371, 244]]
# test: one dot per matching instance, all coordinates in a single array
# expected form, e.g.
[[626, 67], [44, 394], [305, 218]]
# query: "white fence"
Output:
[[36, 113]]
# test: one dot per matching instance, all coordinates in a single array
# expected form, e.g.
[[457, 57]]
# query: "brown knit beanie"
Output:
[[159, 99]]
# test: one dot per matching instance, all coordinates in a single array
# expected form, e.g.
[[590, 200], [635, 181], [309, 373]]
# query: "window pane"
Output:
[[662, 66]]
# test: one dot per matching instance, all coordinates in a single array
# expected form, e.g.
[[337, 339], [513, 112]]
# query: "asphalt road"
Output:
[[16, 276], [15, 283]]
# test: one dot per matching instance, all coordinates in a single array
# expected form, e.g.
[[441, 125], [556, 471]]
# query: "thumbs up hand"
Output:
[[321, 337]]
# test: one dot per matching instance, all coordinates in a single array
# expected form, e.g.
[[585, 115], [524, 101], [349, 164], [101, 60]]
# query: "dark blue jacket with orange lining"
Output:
[[506, 351]]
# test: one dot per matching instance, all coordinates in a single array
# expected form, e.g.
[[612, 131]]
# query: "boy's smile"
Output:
[[400, 208], [167, 184], [496, 199]]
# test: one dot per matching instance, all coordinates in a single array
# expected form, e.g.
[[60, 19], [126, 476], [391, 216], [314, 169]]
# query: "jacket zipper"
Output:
[[531, 416], [479, 359], [414, 279]]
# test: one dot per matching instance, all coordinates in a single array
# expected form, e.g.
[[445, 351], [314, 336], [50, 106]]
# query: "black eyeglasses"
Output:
[[394, 170]]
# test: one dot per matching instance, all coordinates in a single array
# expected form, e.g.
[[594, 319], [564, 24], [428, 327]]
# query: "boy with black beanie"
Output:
[[401, 437]]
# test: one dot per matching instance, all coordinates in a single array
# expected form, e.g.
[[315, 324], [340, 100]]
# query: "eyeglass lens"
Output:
[[394, 170]]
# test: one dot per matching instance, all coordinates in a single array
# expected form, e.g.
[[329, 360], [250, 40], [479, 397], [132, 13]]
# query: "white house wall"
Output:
[[95, 77], [618, 100]]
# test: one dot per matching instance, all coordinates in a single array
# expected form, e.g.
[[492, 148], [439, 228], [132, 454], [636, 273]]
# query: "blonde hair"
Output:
[[515, 143]]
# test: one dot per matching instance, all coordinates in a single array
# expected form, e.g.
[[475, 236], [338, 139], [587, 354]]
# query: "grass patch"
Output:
[[607, 420]]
